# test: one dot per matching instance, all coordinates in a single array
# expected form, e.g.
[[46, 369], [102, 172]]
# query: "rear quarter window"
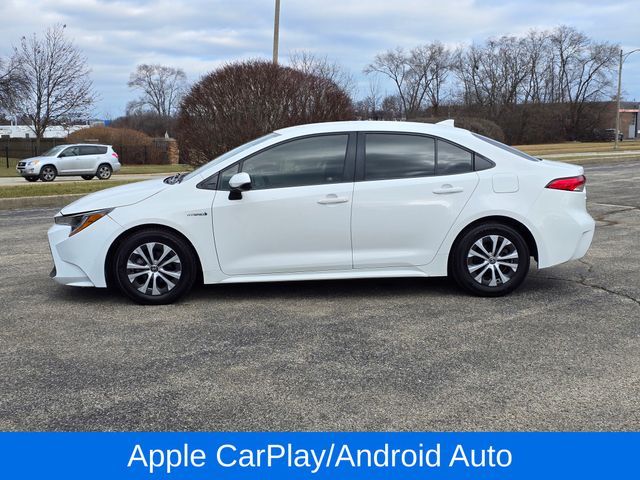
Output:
[[452, 159], [92, 150]]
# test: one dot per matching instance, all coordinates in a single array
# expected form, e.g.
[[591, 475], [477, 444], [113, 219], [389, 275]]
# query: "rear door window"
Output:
[[87, 150], [70, 152], [391, 156]]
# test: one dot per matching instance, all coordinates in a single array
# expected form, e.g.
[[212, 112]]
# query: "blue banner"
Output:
[[319, 455]]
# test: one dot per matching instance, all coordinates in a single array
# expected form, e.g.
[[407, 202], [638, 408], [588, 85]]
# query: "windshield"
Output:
[[54, 151], [509, 149], [229, 154]]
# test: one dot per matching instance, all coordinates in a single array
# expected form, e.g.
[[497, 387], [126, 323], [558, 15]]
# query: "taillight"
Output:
[[115, 154], [570, 184]]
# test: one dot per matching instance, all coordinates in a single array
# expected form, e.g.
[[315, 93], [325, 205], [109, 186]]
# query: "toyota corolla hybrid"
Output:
[[331, 201]]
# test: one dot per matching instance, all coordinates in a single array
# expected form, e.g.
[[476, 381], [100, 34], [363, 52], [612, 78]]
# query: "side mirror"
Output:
[[239, 183]]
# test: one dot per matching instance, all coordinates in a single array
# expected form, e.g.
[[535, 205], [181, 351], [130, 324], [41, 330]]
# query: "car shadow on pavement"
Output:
[[335, 289]]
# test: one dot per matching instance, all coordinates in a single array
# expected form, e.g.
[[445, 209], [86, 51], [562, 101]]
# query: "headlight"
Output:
[[34, 163], [80, 221]]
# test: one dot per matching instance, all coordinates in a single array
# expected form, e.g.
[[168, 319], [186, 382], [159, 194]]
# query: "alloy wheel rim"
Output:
[[492, 260], [103, 172], [154, 268], [48, 173]]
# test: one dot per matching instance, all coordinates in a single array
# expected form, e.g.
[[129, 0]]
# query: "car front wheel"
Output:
[[104, 172], [155, 267], [490, 260], [48, 173]]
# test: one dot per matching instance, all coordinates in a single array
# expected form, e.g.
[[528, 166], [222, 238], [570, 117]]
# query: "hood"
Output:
[[30, 159], [116, 196]]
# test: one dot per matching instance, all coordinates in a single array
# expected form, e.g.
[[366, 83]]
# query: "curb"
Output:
[[50, 201]]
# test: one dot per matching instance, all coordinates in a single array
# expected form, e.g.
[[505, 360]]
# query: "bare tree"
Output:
[[431, 64], [419, 76], [544, 85], [493, 73], [162, 89], [373, 100], [11, 85], [536, 48], [57, 87], [583, 69], [391, 107], [320, 66], [394, 65]]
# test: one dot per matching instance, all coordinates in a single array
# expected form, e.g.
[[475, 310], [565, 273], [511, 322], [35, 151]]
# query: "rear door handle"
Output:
[[445, 189], [332, 198]]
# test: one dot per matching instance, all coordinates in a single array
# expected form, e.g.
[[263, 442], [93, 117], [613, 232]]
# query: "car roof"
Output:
[[443, 129], [84, 145], [91, 145]]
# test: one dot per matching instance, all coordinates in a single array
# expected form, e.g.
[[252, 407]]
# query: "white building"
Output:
[[25, 131]]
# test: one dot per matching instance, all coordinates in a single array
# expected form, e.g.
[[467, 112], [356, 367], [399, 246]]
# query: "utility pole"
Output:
[[276, 32], [623, 57], [615, 146]]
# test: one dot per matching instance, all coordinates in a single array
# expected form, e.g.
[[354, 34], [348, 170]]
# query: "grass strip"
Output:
[[61, 188]]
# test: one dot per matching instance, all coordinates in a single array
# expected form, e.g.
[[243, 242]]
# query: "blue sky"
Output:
[[198, 35]]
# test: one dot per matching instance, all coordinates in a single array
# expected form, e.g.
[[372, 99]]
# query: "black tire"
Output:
[[480, 265], [104, 171], [48, 173], [160, 292], [87, 177], [31, 179]]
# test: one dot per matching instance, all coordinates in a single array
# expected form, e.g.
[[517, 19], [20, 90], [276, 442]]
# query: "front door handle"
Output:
[[448, 189], [332, 199]]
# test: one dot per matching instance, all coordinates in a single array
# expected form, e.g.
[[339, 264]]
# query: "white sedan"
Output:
[[332, 201]]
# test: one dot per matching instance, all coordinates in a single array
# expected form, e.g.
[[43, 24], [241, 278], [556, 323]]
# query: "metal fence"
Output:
[[15, 149], [155, 154]]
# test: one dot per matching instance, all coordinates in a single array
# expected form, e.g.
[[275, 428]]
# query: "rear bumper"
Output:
[[583, 244], [564, 227]]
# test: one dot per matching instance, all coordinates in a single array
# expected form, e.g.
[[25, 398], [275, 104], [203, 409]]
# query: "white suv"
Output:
[[87, 161]]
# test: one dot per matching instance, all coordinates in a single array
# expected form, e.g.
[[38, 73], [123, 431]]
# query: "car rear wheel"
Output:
[[490, 260], [48, 173], [87, 177], [155, 267], [104, 172], [31, 179]]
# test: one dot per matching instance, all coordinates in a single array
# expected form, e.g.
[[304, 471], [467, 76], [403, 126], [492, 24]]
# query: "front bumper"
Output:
[[27, 171], [79, 260]]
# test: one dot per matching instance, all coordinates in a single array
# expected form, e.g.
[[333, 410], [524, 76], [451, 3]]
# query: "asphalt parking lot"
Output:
[[561, 353]]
